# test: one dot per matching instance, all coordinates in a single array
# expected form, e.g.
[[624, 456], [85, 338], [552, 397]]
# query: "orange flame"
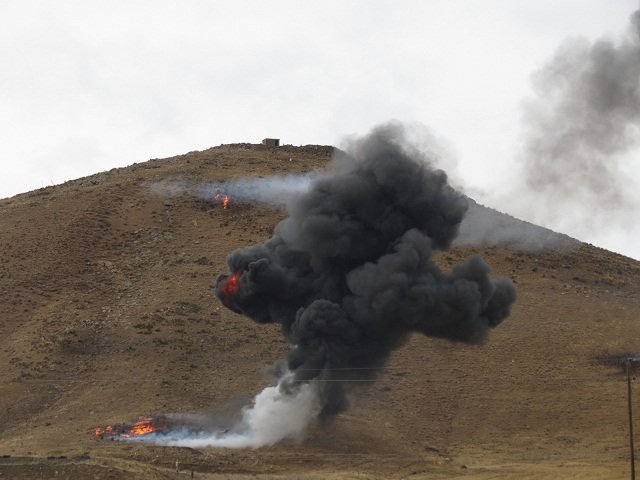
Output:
[[233, 284], [143, 426], [224, 199], [100, 432]]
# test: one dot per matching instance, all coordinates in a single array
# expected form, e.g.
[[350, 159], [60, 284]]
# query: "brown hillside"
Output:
[[107, 313]]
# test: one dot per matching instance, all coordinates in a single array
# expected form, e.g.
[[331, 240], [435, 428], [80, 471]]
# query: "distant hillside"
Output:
[[107, 314]]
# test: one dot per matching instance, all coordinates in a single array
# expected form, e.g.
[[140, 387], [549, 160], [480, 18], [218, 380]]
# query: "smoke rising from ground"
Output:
[[275, 415], [584, 119], [349, 275]]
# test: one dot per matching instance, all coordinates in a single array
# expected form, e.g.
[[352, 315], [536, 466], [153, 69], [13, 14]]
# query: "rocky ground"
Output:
[[107, 313]]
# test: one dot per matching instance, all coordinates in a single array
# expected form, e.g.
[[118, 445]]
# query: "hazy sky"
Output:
[[86, 86]]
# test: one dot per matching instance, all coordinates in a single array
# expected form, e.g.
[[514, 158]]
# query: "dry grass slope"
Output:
[[106, 313]]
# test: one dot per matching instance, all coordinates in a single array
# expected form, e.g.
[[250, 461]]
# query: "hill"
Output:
[[107, 314]]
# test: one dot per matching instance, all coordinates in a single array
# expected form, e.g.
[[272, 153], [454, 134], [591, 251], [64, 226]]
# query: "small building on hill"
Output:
[[271, 142]]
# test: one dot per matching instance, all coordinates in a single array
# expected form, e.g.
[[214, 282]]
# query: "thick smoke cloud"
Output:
[[585, 117], [350, 273]]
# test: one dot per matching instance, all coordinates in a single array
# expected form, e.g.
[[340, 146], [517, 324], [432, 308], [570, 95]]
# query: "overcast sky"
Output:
[[86, 86]]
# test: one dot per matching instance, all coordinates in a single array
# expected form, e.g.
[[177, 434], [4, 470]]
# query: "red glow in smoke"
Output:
[[233, 284]]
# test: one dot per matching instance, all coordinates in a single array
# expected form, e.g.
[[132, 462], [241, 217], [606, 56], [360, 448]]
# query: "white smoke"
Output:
[[274, 191], [484, 226], [276, 414]]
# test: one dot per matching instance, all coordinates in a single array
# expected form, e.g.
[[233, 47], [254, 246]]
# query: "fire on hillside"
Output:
[[168, 429], [135, 428], [222, 199]]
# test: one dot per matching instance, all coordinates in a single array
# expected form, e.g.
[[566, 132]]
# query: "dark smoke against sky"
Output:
[[578, 132], [349, 274]]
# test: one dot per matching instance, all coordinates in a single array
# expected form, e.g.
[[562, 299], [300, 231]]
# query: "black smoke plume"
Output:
[[350, 273]]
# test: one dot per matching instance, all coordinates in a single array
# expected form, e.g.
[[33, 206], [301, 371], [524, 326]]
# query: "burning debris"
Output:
[[136, 428], [222, 199], [156, 429]]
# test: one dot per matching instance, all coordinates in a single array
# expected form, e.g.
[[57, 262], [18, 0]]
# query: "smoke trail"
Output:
[[274, 191], [585, 117], [349, 274]]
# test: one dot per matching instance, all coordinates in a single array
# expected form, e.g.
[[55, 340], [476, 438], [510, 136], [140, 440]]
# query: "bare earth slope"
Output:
[[106, 313]]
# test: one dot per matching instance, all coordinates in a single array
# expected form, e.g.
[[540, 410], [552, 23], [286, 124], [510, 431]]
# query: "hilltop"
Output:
[[107, 313]]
